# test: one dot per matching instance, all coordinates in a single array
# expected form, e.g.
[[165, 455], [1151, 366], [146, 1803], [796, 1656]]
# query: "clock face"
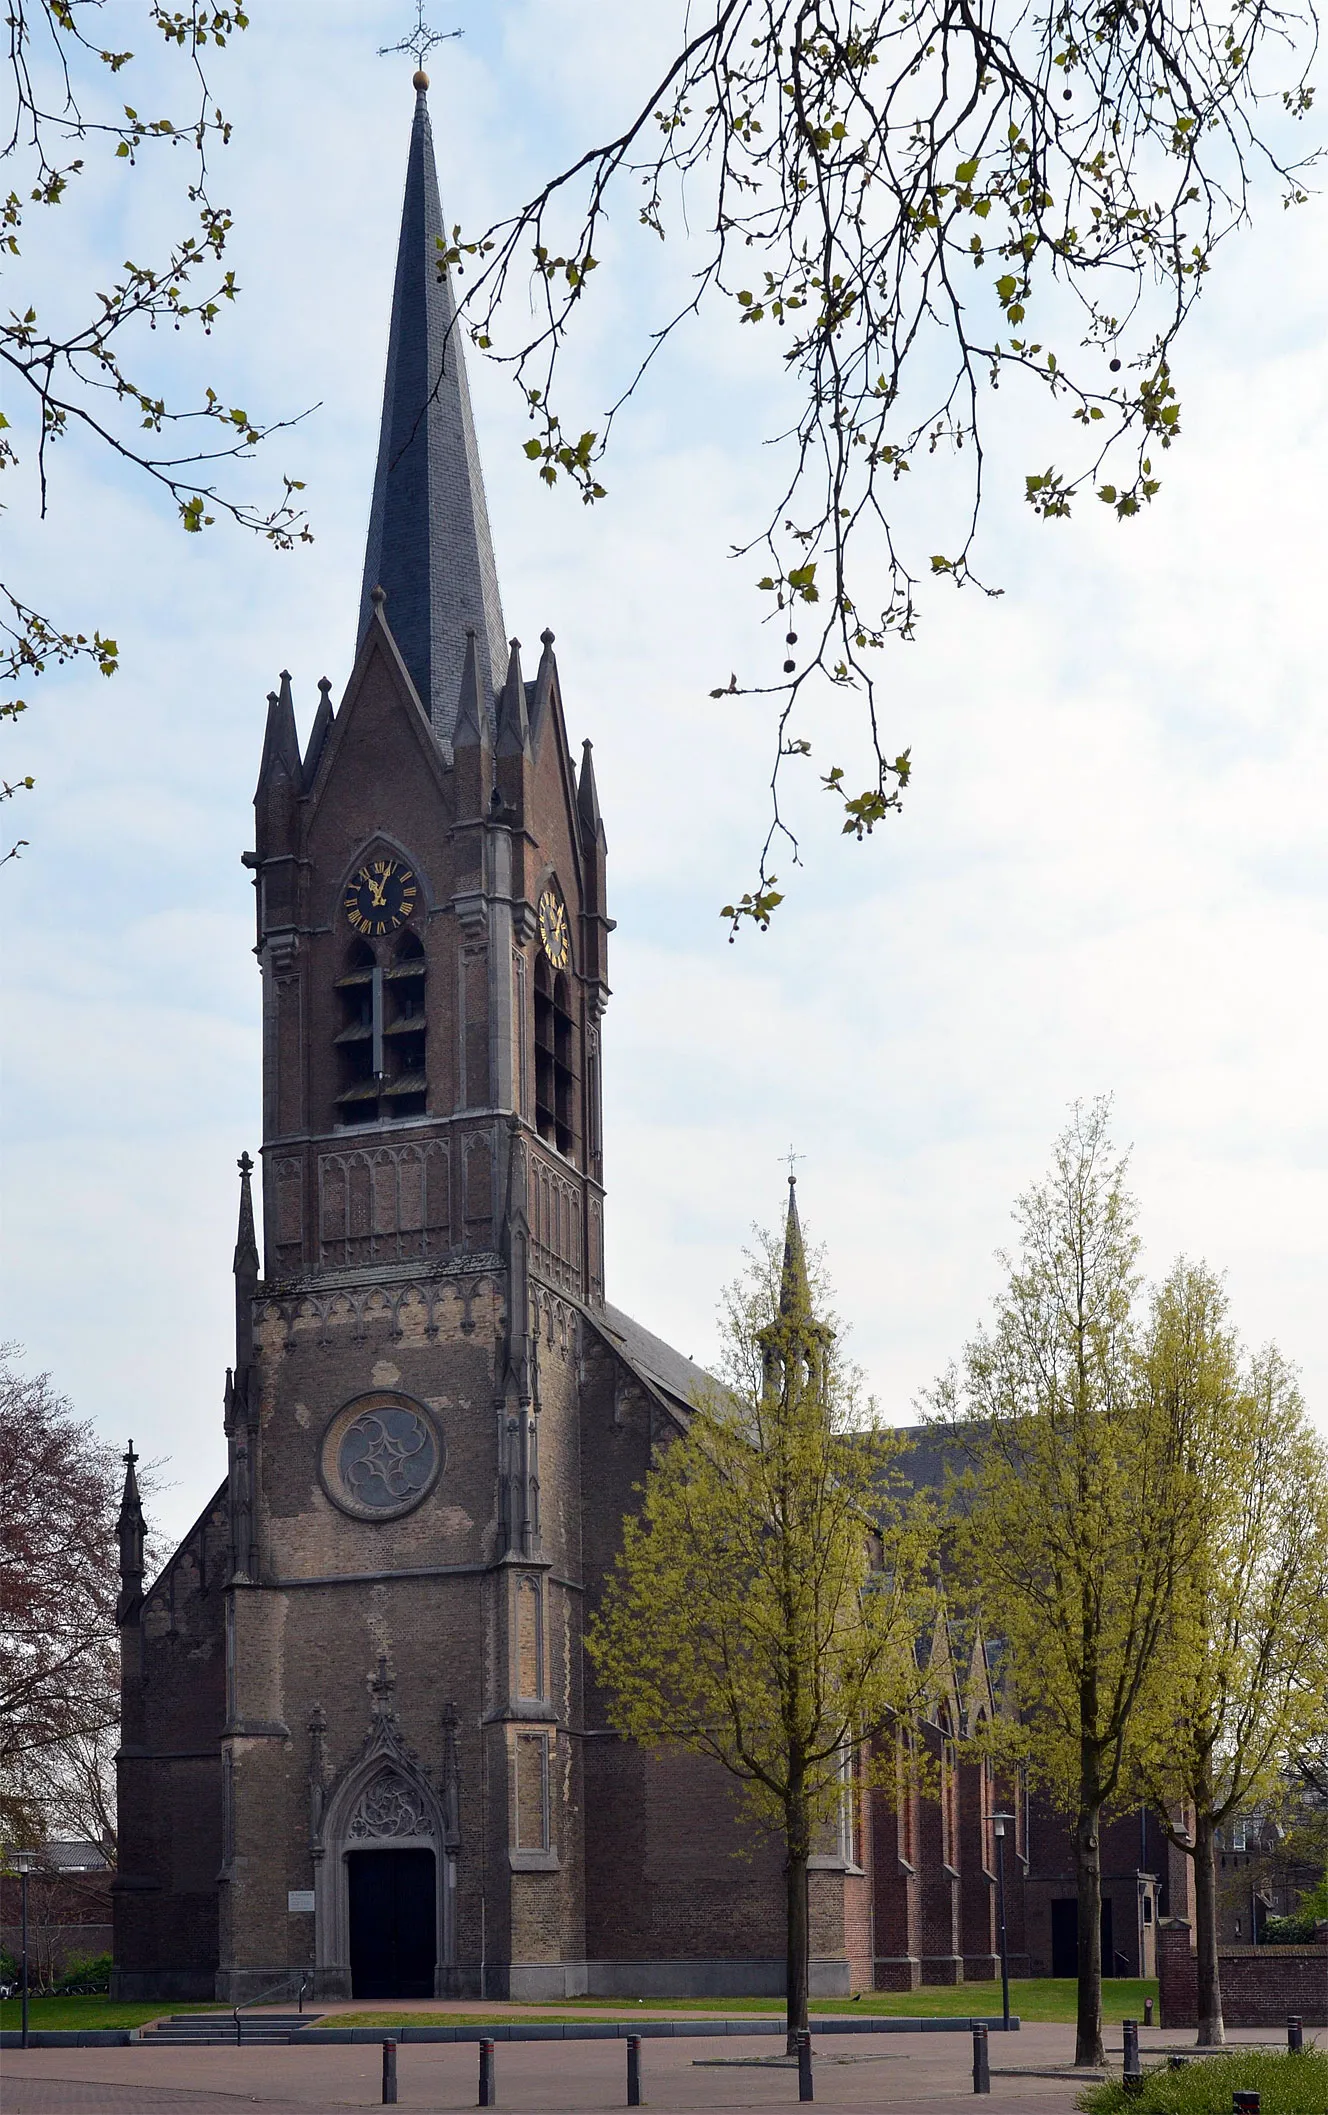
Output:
[[381, 897], [553, 930]]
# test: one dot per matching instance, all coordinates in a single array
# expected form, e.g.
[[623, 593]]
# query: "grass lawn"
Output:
[[1286, 2085], [64, 2013], [1043, 1998]]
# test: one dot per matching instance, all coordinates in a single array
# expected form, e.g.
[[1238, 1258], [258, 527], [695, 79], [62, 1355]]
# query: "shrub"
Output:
[[84, 1976], [1289, 2085], [1288, 1931]]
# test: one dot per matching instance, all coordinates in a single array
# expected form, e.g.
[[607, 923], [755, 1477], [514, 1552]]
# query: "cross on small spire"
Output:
[[421, 40], [791, 1157]]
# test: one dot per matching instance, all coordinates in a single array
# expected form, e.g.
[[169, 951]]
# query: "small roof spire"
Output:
[[470, 728], [131, 1533], [281, 743], [587, 795], [245, 1262], [130, 1501], [513, 725], [429, 542], [318, 732]]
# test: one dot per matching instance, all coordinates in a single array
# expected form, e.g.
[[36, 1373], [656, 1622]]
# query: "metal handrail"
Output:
[[262, 1999]]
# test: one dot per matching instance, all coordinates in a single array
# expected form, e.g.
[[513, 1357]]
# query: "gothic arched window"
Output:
[[948, 1790], [555, 1058]]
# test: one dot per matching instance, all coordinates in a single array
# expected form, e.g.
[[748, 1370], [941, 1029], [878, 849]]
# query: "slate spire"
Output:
[[794, 1292], [429, 543]]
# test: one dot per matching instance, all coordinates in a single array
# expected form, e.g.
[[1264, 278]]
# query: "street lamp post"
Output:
[[998, 1823], [23, 1860]]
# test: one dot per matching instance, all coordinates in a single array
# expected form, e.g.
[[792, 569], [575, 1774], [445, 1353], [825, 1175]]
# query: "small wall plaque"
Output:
[[299, 1900]]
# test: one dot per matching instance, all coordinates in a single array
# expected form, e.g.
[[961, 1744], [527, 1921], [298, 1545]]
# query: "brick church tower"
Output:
[[359, 1744]]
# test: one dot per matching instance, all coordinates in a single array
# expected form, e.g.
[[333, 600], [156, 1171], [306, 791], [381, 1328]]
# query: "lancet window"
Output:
[[556, 1083]]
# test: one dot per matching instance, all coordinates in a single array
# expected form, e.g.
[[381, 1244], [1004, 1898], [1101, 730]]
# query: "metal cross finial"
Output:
[[421, 40], [791, 1157]]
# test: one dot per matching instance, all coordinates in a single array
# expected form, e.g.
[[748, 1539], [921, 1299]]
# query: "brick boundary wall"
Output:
[[1261, 1985]]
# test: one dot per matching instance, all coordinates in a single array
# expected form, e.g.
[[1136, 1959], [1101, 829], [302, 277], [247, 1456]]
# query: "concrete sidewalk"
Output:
[[930, 2074]]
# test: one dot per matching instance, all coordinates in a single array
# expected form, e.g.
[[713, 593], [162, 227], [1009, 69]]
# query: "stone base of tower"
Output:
[[176, 1986]]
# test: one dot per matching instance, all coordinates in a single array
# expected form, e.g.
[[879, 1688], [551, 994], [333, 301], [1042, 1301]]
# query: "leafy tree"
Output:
[[765, 1602], [1247, 1686], [100, 378], [1078, 1525], [59, 1662], [911, 204]]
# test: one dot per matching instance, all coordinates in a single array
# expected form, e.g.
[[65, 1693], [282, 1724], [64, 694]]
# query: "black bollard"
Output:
[[487, 2097], [805, 2065], [1246, 2103], [1148, 2012], [1132, 2076], [1295, 2032], [981, 2059], [389, 2074], [633, 2070]]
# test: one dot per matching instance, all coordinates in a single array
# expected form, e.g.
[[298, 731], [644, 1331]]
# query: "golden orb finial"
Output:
[[420, 78]]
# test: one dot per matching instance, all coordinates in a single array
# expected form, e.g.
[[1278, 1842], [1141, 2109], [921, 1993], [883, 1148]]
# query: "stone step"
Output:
[[216, 2029]]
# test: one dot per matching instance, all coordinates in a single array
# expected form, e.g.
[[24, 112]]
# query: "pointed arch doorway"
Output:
[[393, 1922], [385, 1848]]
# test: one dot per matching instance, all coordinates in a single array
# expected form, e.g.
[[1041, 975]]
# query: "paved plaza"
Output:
[[930, 2072]]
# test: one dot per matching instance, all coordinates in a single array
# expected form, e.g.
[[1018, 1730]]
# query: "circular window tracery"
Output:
[[381, 1456]]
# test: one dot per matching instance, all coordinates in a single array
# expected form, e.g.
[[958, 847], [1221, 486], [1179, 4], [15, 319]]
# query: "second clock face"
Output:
[[381, 897], [553, 930]]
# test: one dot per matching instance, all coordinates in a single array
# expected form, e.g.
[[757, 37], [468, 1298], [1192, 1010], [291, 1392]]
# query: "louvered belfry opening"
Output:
[[357, 1101], [382, 1044], [555, 1059], [404, 1029]]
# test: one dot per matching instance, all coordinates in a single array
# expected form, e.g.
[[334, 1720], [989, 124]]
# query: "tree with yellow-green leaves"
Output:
[[1247, 1688], [1078, 1524], [763, 1608]]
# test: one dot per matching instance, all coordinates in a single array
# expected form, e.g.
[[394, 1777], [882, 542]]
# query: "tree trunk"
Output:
[[1211, 2030], [1088, 2047], [798, 1945]]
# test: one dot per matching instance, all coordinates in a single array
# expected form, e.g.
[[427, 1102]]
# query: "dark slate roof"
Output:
[[658, 1361], [429, 544], [74, 1857]]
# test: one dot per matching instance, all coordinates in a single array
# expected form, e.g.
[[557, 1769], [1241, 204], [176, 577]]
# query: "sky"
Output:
[[1108, 876]]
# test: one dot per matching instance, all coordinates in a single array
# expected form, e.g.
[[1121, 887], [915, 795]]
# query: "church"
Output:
[[361, 1745]]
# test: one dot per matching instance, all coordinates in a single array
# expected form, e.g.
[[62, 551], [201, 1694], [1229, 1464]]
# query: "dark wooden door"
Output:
[[393, 1923], [1065, 1938]]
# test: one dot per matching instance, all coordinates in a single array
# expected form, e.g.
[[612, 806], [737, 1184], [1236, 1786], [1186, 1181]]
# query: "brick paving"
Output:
[[929, 2074]]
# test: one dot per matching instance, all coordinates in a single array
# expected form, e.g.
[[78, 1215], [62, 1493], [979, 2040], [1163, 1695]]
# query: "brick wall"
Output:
[[69, 1917], [1261, 1985]]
